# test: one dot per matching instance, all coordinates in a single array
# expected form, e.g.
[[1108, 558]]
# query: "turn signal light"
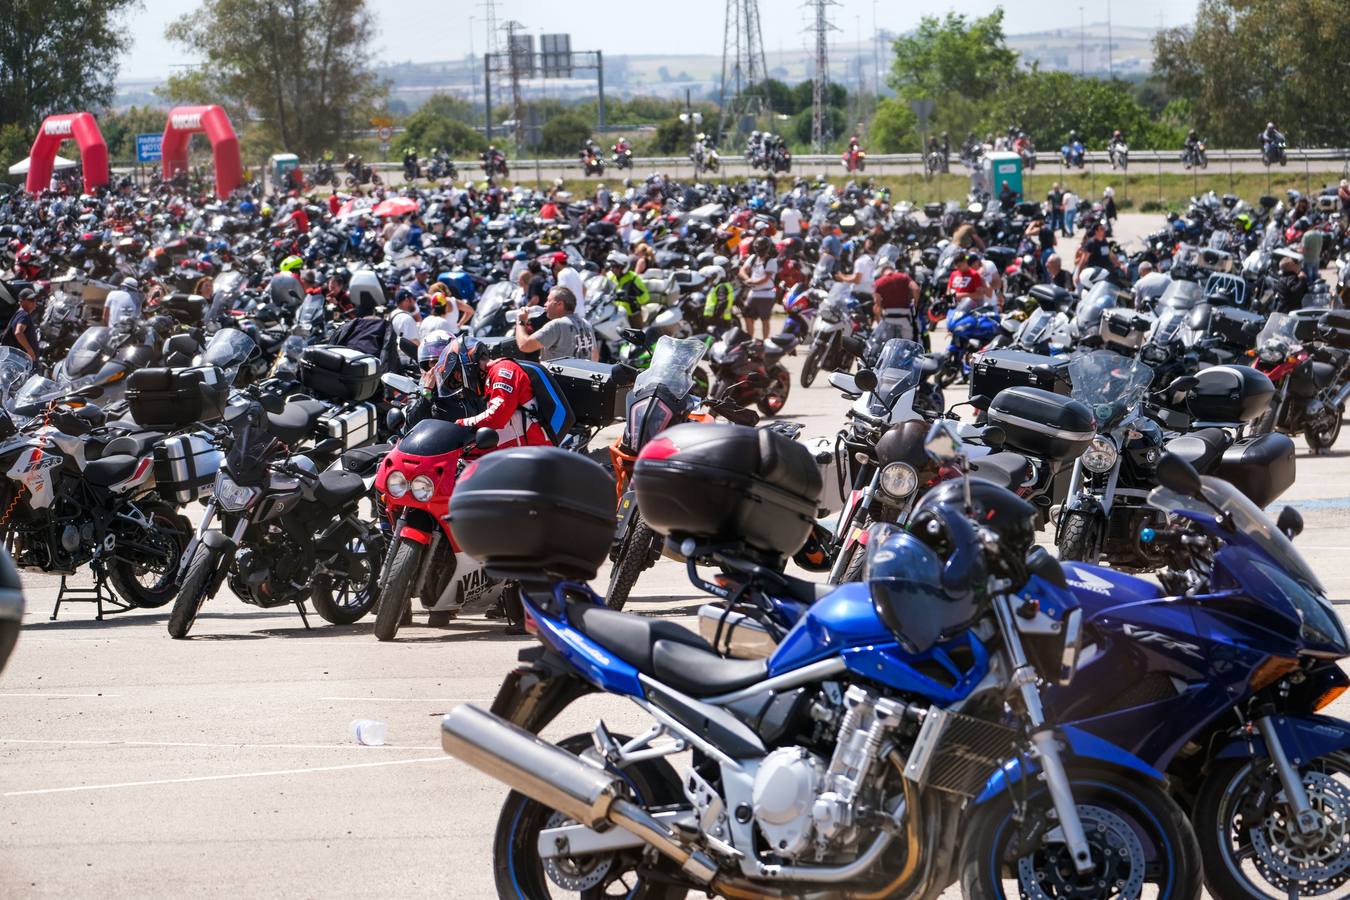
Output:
[[1272, 670], [1328, 697]]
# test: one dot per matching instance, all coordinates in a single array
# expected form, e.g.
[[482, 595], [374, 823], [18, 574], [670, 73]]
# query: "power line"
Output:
[[820, 77], [743, 63]]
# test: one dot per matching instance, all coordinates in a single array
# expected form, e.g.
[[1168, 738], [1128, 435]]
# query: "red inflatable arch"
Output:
[[56, 130], [183, 123]]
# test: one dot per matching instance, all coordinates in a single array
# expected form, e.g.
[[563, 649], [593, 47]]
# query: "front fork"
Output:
[[856, 511], [191, 547], [1043, 739], [1296, 795]]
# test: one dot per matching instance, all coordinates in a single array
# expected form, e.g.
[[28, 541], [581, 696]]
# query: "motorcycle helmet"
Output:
[[617, 260], [430, 350], [996, 508], [814, 555], [291, 264], [460, 367], [906, 580], [713, 274]]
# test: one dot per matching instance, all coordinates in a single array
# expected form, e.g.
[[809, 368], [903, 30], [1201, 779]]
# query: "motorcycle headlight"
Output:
[[422, 488], [832, 315], [1100, 456], [898, 479], [396, 484], [232, 497]]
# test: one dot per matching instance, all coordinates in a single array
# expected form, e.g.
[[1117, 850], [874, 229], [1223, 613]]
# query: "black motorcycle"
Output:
[[288, 533], [749, 372]]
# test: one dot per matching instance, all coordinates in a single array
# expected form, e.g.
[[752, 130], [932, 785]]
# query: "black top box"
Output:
[[176, 398], [340, 373]]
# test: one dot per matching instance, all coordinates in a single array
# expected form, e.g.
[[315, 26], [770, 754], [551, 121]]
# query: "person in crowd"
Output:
[[1109, 213], [1054, 201], [406, 316], [534, 283], [121, 303], [757, 274], [893, 301], [566, 276], [1096, 251], [1055, 274], [791, 221], [630, 291], [564, 335], [965, 283], [21, 331], [1068, 211]]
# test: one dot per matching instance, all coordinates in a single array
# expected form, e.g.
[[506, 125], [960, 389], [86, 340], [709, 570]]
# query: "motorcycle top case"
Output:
[[1334, 328], [1051, 298], [729, 484], [188, 309], [1041, 423], [1238, 327], [1262, 467], [597, 392], [340, 373], [185, 466], [998, 370], [176, 398], [1229, 395], [535, 511], [353, 425]]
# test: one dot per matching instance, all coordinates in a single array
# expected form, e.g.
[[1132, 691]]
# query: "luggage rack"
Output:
[[98, 595]]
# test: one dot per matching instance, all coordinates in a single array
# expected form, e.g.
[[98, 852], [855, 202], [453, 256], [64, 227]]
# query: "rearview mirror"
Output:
[[93, 392], [994, 437], [634, 336], [980, 402], [943, 442], [1179, 476], [400, 383], [739, 415], [1290, 522], [866, 380], [1183, 383], [394, 420], [485, 438]]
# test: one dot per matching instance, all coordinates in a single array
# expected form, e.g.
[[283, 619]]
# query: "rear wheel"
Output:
[[1078, 537], [776, 394], [148, 581], [635, 556], [192, 593], [396, 588], [1322, 434], [347, 594]]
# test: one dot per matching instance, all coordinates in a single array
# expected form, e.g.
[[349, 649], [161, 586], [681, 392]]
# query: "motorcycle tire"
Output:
[[1143, 829], [190, 594], [1204, 161], [1222, 808], [949, 373], [519, 871], [339, 601], [775, 396], [375, 180], [1323, 437], [811, 366], [396, 588], [1077, 538], [125, 577], [636, 555]]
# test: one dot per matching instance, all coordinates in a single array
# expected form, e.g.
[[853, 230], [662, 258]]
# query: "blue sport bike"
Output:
[[971, 324], [896, 741]]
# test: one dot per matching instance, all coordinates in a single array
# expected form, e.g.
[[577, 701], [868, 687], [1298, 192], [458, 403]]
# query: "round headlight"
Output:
[[1100, 455], [422, 488], [899, 479], [396, 484]]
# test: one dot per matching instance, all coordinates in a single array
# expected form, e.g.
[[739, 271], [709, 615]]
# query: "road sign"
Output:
[[147, 147], [381, 121], [922, 110], [385, 134]]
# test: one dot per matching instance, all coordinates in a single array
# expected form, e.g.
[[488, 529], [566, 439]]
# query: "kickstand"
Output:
[[98, 594], [300, 605]]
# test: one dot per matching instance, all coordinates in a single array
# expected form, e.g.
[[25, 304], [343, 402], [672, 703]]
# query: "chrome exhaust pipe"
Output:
[[550, 775]]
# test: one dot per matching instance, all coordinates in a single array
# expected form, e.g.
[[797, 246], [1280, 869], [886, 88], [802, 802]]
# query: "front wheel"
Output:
[[1246, 831], [1322, 434], [635, 556], [522, 874], [811, 366], [1078, 537], [1140, 841], [396, 592], [191, 594], [776, 394]]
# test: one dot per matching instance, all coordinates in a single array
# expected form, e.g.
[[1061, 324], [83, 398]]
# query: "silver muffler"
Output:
[[550, 775]]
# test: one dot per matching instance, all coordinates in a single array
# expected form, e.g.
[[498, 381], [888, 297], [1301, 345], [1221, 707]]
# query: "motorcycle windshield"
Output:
[[1245, 517], [62, 308], [1279, 328], [897, 369], [310, 312], [1108, 384], [229, 349], [86, 355], [1170, 320], [1035, 329], [673, 363], [1088, 316], [493, 299], [1181, 294], [15, 369]]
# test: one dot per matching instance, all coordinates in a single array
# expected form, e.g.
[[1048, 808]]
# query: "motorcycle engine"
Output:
[[784, 794]]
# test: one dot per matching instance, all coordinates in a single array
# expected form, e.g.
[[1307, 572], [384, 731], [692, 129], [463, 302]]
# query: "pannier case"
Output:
[[1236, 326], [597, 392], [340, 373], [1229, 395], [1124, 328], [176, 398], [185, 466], [186, 308], [1041, 423], [1306, 324], [353, 425], [1334, 328], [532, 512], [1262, 467], [1051, 298], [729, 484], [998, 370]]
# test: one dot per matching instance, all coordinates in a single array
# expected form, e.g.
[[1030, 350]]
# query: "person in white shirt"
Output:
[[436, 321], [628, 223], [791, 219], [993, 279], [118, 306], [568, 277], [405, 320], [863, 271]]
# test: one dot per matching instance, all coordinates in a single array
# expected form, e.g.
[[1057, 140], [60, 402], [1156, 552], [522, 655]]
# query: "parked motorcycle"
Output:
[[971, 324], [831, 326], [1305, 357], [749, 372]]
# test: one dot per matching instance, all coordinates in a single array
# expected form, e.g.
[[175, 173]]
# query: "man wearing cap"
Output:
[[121, 304], [406, 317], [22, 329], [566, 276], [418, 286]]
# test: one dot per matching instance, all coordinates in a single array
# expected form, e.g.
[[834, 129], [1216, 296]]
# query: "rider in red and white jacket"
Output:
[[504, 385]]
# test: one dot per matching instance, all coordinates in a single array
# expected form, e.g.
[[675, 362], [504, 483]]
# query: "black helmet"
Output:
[[996, 508]]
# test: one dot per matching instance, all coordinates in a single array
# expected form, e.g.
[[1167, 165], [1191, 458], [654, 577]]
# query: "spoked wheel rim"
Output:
[[1263, 850], [154, 576], [358, 573]]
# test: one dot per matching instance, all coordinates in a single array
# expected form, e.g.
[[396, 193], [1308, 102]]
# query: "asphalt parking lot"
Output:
[[135, 765]]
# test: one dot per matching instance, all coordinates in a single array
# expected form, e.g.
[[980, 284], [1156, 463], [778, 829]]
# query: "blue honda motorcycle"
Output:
[[886, 748], [971, 324]]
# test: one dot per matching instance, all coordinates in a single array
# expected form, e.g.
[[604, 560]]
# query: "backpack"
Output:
[[370, 335], [551, 409]]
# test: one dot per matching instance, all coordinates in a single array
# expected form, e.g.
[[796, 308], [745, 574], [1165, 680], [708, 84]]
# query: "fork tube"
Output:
[[1295, 794]]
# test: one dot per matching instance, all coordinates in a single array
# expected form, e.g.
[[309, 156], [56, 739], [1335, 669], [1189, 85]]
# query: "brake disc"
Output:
[[573, 874], [1117, 856], [1317, 863]]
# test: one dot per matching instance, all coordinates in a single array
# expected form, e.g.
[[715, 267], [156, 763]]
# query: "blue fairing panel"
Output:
[[1082, 746], [1304, 737], [591, 661]]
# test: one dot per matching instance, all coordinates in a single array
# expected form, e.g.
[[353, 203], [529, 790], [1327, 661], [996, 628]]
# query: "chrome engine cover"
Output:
[[786, 785]]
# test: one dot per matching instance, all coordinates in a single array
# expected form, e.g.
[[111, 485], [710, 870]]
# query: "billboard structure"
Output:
[[554, 59]]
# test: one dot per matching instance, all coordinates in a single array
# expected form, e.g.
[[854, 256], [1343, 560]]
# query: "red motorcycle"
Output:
[[1304, 355], [415, 481], [748, 371], [855, 159]]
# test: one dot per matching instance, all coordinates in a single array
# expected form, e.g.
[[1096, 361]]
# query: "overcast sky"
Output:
[[430, 30]]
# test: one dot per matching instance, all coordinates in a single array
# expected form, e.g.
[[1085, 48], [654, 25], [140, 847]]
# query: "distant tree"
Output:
[[448, 107], [1048, 105], [958, 63], [564, 134], [426, 130], [15, 142], [803, 96], [833, 124], [120, 129], [672, 137], [59, 57], [301, 68], [781, 98], [893, 129]]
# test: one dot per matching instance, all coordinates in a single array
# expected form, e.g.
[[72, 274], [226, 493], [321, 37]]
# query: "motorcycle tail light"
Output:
[[1328, 697], [1272, 670]]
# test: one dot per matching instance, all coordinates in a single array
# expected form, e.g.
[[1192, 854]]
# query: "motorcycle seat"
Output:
[[295, 421], [666, 651], [132, 444], [783, 340], [1005, 468], [1202, 448], [337, 488], [109, 470], [363, 460], [773, 350]]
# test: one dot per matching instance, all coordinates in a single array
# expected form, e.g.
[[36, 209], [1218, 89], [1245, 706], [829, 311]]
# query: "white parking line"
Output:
[[275, 772], [415, 699], [45, 694], [219, 745]]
